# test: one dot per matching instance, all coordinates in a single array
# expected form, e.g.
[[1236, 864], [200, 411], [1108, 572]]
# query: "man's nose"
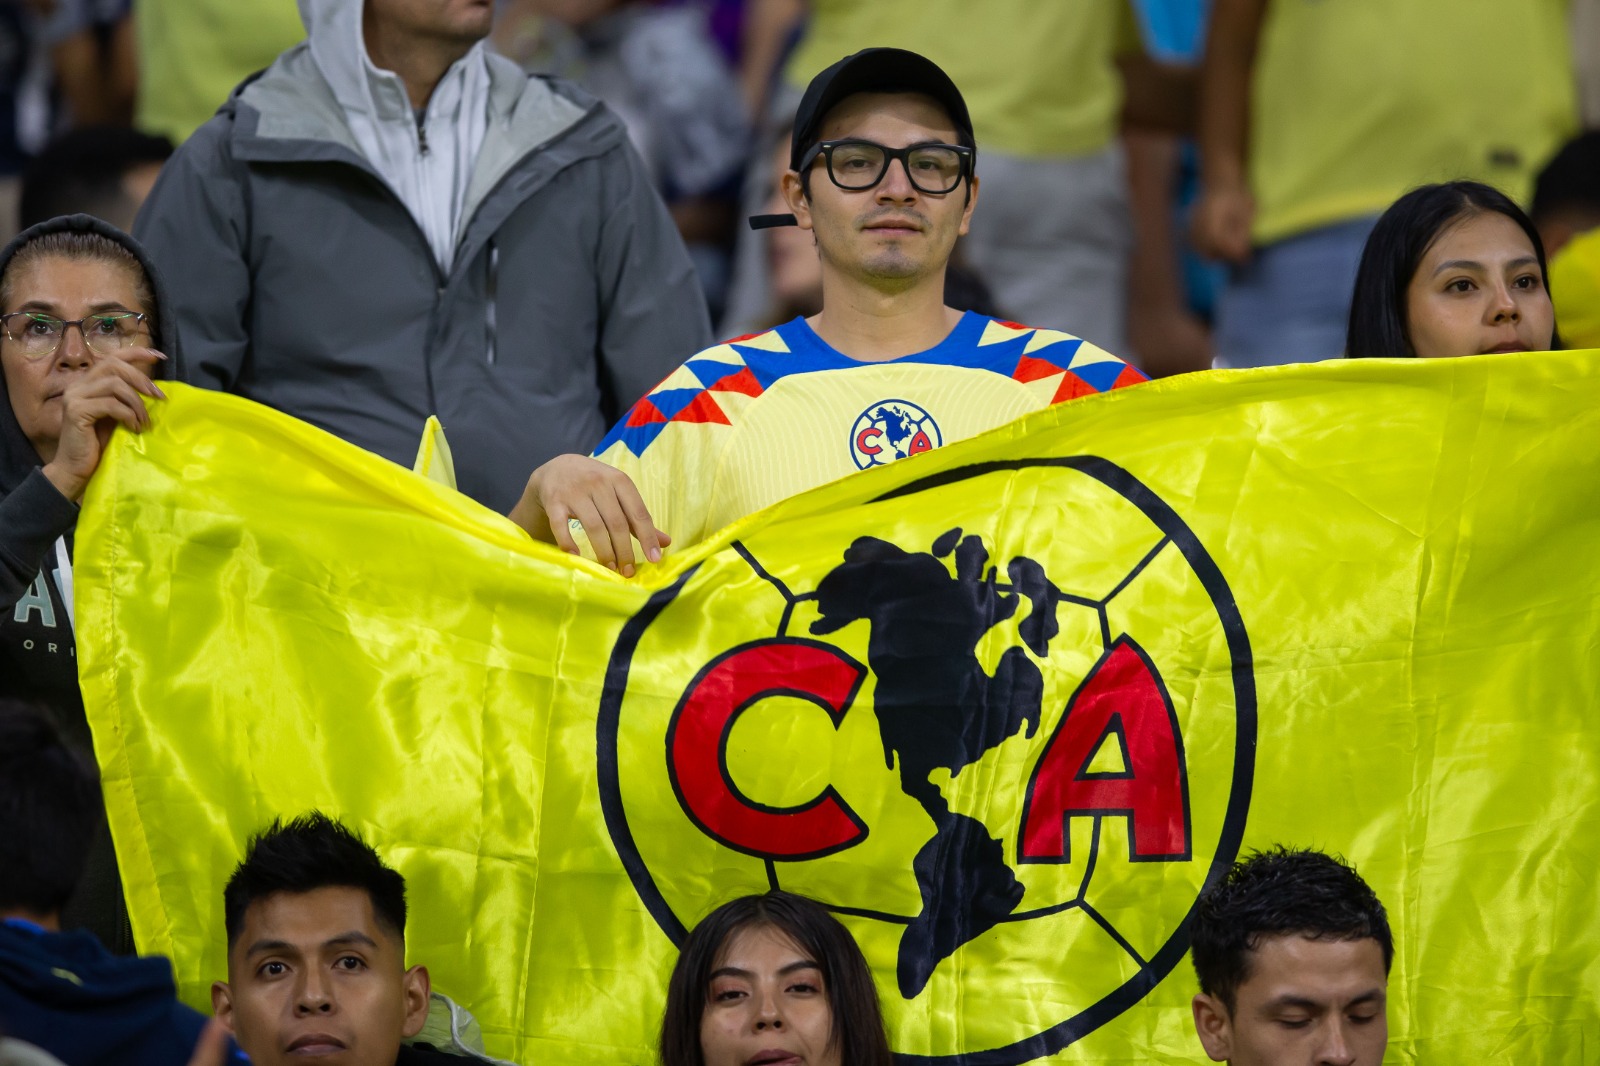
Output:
[[896, 183], [314, 995], [1335, 1049]]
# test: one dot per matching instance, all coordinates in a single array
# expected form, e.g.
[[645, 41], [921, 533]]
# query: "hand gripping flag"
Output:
[[1005, 707]]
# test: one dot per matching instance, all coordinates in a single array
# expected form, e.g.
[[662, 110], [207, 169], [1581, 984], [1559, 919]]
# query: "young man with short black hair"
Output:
[[1292, 950], [883, 173], [63, 991], [316, 952]]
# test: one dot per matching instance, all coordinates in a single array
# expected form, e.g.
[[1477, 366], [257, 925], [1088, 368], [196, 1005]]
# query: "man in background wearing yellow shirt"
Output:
[[192, 53], [1315, 116]]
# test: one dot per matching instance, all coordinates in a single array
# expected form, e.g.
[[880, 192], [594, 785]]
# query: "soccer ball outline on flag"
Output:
[[694, 776]]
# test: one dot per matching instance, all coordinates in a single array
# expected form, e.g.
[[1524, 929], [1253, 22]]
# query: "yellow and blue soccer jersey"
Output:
[[758, 419]]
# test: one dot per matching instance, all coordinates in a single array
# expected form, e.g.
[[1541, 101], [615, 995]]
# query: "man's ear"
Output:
[[1214, 1025], [418, 989], [972, 201], [222, 1004], [794, 195]]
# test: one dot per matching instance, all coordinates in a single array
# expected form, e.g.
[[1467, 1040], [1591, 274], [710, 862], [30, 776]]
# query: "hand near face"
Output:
[[95, 403], [605, 502]]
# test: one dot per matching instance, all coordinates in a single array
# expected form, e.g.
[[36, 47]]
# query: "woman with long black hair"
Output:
[[772, 978], [1451, 269]]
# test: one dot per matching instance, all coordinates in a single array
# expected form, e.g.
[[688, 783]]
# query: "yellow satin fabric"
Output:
[[271, 620]]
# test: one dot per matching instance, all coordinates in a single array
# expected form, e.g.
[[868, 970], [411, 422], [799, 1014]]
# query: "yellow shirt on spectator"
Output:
[[1575, 289], [1038, 75], [758, 419], [192, 53], [1355, 101]]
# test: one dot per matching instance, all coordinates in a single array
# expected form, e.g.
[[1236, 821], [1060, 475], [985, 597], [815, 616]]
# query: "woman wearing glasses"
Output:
[[79, 340]]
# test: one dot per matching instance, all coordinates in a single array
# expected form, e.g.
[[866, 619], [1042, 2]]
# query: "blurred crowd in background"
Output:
[[1182, 204]]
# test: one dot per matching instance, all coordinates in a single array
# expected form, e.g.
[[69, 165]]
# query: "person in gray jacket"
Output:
[[391, 222]]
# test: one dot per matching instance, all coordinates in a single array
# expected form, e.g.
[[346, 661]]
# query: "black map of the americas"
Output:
[[937, 708]]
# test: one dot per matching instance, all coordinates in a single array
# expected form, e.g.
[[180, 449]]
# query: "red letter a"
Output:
[[1122, 698]]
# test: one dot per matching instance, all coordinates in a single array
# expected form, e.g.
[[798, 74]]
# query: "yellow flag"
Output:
[[1005, 707]]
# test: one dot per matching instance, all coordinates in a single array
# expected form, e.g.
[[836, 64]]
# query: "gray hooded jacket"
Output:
[[301, 280]]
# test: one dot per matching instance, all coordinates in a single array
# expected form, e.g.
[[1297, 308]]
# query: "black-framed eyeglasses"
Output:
[[856, 165], [39, 335]]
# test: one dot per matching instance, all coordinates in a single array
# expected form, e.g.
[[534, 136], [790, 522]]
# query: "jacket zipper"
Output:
[[489, 304]]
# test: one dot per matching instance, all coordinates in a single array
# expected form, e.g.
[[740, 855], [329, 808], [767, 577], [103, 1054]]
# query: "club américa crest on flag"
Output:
[[1007, 748], [890, 430]]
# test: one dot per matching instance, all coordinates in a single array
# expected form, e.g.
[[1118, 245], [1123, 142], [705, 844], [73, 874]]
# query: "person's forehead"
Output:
[[72, 275], [1321, 970], [874, 116], [307, 920], [1486, 236], [759, 948]]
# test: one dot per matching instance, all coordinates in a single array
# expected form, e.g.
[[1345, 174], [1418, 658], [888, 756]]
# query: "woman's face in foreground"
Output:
[[1479, 289], [766, 1005]]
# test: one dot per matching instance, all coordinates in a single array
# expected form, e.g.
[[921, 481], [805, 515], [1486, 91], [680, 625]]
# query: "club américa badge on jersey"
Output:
[[890, 430]]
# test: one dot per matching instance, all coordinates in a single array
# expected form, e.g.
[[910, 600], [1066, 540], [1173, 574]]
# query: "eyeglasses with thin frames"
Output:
[[39, 336]]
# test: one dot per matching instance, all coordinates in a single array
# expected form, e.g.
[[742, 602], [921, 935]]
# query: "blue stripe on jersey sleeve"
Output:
[[709, 371], [1101, 376], [637, 438], [808, 353], [670, 401]]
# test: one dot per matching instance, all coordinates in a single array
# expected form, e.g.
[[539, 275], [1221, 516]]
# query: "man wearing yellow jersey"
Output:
[[883, 176], [1315, 117]]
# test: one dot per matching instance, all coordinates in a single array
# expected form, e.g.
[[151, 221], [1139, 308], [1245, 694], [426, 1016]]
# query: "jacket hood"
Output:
[[337, 44], [333, 33], [67, 977], [17, 456]]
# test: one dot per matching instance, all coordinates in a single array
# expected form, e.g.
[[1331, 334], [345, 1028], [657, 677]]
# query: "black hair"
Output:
[[858, 1032], [1280, 892], [1395, 248], [50, 808], [1570, 182], [307, 853], [82, 170]]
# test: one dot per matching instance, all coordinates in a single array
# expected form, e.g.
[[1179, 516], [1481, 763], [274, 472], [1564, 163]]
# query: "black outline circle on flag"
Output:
[[1161, 963]]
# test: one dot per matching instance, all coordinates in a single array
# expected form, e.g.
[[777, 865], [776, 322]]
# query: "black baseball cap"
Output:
[[871, 70]]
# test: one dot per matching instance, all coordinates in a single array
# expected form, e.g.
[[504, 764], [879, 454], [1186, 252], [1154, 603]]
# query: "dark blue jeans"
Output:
[[1291, 302]]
